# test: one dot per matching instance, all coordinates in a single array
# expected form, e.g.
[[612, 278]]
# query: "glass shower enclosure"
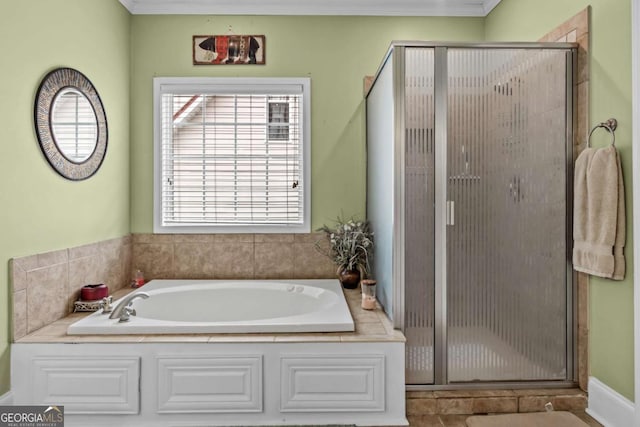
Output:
[[469, 165]]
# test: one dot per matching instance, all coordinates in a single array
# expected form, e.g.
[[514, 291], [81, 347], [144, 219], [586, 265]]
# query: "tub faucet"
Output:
[[124, 310]]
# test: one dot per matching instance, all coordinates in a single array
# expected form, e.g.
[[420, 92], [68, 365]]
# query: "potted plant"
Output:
[[350, 248]]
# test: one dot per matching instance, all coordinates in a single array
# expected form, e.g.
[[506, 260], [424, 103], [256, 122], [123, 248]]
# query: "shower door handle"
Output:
[[451, 215]]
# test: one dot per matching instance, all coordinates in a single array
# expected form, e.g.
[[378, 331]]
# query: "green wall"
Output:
[[41, 211], [611, 303], [336, 52]]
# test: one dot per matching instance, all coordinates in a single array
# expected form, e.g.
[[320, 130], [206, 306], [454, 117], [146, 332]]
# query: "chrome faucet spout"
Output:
[[120, 312]]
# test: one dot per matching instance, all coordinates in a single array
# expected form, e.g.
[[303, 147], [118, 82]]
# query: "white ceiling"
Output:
[[313, 7]]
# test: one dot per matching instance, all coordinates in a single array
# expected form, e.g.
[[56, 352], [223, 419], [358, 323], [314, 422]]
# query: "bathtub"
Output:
[[228, 306]]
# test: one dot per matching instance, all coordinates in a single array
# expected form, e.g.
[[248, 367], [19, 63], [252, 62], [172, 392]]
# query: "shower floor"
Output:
[[475, 354]]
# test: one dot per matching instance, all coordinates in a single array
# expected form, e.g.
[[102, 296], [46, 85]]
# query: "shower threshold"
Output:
[[478, 358], [503, 400]]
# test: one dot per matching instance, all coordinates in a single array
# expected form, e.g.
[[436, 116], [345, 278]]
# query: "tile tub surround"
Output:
[[45, 286], [371, 326], [231, 256], [56, 277]]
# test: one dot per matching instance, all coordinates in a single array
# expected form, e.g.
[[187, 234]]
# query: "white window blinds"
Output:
[[231, 155]]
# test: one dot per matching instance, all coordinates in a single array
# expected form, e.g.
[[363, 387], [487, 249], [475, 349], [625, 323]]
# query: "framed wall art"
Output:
[[228, 50]]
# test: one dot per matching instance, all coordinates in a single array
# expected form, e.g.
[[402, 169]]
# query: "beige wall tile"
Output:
[[193, 238], [111, 249], [27, 263], [116, 259], [274, 238], [47, 299], [582, 74], [233, 238], [233, 260], [153, 238], [84, 251], [581, 21], [19, 314], [154, 260], [194, 261], [18, 276], [84, 271], [582, 119], [275, 261], [52, 258], [311, 264], [53, 280]]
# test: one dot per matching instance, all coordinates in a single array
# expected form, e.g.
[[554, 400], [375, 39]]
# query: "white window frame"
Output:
[[235, 85]]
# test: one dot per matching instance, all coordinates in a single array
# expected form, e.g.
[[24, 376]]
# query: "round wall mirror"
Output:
[[71, 123]]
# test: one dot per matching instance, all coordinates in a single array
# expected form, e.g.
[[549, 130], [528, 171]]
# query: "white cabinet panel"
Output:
[[87, 385], [332, 383], [209, 384]]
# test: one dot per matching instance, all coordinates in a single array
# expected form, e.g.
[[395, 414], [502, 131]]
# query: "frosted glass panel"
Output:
[[419, 214], [506, 249], [380, 178]]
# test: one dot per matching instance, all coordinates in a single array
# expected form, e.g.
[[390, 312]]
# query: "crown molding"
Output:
[[489, 5], [129, 4], [312, 7]]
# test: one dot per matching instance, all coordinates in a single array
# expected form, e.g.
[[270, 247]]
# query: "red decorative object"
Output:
[[94, 292]]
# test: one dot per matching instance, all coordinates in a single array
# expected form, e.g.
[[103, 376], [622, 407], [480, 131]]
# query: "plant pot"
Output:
[[349, 278]]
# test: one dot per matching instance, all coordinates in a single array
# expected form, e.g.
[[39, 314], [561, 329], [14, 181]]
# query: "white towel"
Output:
[[599, 228]]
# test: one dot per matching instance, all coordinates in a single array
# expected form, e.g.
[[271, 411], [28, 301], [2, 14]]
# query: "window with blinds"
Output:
[[231, 155]]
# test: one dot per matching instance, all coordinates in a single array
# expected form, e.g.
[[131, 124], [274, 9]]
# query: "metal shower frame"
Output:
[[396, 52]]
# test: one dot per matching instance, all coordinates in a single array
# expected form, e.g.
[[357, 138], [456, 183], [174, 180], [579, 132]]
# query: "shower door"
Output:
[[507, 157], [487, 282]]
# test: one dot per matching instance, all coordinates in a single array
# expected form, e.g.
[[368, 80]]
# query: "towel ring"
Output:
[[610, 125]]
